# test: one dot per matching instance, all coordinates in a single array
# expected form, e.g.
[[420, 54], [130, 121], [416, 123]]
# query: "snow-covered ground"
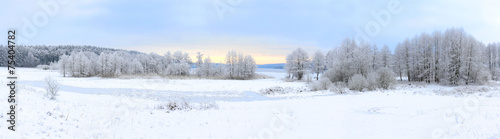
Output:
[[134, 108]]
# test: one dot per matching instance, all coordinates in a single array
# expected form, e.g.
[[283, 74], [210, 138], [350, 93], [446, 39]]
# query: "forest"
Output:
[[452, 57]]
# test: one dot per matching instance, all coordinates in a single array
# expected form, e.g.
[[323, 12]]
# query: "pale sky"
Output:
[[266, 29]]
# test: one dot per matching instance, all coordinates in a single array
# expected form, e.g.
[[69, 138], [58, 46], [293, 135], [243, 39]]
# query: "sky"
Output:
[[266, 29]]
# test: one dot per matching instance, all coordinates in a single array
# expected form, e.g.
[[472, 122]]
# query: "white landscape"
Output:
[[250, 69], [131, 108]]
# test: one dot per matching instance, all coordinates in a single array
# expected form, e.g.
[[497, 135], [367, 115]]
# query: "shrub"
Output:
[[184, 105], [357, 82], [52, 87], [43, 67], [386, 78], [339, 87], [321, 84], [281, 90]]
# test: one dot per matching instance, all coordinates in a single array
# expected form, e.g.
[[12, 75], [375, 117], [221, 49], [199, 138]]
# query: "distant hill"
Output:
[[272, 66]]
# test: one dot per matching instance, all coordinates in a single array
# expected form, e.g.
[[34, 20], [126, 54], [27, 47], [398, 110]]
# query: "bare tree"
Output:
[[52, 87]]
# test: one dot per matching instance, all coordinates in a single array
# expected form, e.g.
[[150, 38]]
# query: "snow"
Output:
[[128, 108]]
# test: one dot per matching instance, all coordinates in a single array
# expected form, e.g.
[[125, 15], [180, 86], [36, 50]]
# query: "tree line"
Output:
[[34, 55], [113, 64], [452, 57]]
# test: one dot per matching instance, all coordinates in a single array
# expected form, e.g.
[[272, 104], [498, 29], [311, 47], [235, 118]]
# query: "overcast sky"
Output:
[[266, 29]]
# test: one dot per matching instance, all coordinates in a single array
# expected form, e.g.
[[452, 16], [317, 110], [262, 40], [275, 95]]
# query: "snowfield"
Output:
[[138, 108]]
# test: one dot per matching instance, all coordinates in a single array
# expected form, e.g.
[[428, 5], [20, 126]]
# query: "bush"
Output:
[[52, 87], [186, 106], [43, 67], [357, 82], [386, 78], [281, 90], [339, 87], [321, 84]]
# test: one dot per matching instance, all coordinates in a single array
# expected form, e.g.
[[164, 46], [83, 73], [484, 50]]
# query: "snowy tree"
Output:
[[318, 64], [104, 62], [63, 64], [399, 62], [31, 60], [452, 57], [199, 63], [208, 68], [51, 87], [239, 66], [180, 64], [297, 63], [341, 59], [492, 56], [385, 57], [249, 67], [231, 63]]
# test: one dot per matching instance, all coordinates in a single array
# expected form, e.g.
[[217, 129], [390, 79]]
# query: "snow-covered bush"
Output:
[[321, 84], [281, 90], [54, 66], [482, 77], [43, 67], [339, 87], [272, 90], [52, 87], [386, 78], [185, 105], [336, 74], [357, 82]]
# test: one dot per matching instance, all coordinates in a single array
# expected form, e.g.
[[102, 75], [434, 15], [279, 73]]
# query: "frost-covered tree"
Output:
[[180, 64], [297, 63], [318, 64], [199, 69], [208, 68], [249, 67], [231, 63], [452, 57], [239, 66], [399, 61], [385, 57], [63, 64], [492, 56]]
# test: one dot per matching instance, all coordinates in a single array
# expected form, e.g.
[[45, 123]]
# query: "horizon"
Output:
[[267, 30]]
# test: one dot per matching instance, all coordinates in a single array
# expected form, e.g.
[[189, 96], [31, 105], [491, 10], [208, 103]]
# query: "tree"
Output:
[[208, 68], [239, 66], [385, 57], [231, 63], [318, 64], [452, 57], [297, 63], [52, 87], [199, 63], [249, 67], [63, 64]]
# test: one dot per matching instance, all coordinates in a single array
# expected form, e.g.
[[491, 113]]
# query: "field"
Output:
[[202, 108]]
